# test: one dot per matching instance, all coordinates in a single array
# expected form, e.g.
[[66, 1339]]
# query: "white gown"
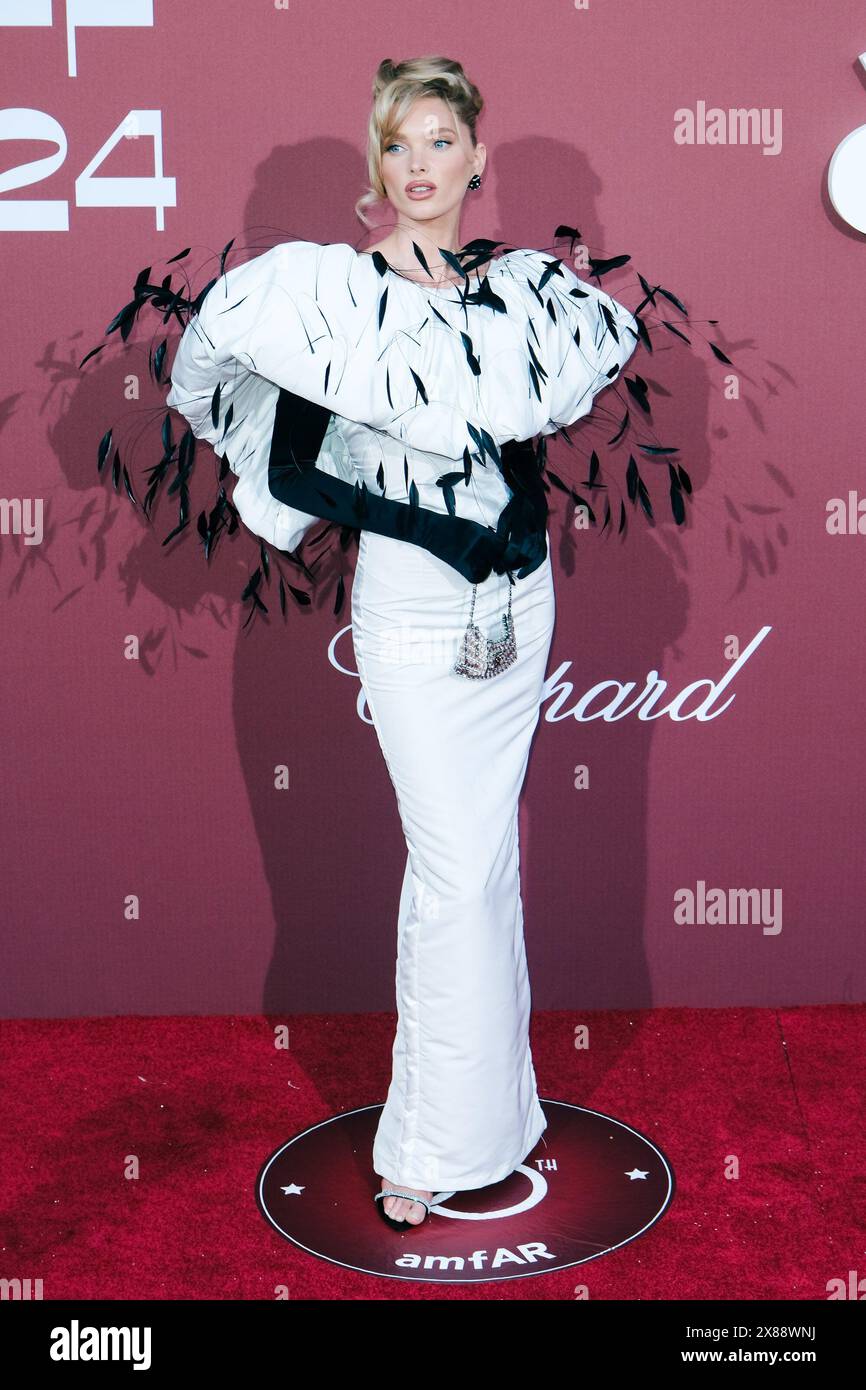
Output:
[[410, 381]]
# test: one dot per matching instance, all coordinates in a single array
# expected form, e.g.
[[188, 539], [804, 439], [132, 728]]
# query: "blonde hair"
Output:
[[395, 87]]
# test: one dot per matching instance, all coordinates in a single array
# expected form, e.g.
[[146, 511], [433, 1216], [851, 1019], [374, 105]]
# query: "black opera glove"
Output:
[[528, 554], [469, 548], [522, 525]]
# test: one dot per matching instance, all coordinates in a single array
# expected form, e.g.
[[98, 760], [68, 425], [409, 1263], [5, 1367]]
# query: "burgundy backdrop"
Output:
[[154, 778]]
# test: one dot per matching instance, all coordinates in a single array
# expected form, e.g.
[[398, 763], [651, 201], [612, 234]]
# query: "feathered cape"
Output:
[[276, 351]]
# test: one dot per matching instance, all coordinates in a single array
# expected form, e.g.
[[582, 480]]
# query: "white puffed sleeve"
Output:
[[582, 351], [261, 327]]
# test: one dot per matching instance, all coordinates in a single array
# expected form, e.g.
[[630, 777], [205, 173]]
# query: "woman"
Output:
[[399, 389]]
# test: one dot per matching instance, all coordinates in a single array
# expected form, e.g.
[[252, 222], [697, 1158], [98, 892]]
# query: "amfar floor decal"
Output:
[[590, 1185]]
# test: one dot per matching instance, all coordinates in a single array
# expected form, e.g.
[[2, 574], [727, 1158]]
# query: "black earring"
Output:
[[475, 181]]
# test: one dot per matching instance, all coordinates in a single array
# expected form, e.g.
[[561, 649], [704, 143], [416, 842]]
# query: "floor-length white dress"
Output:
[[412, 378]]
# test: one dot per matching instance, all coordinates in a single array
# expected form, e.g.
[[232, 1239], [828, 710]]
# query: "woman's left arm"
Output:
[[589, 338]]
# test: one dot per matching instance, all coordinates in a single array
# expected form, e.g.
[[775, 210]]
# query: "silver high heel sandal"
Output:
[[426, 1202]]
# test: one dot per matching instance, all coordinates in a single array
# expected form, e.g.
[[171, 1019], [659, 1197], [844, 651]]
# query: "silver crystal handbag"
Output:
[[481, 657]]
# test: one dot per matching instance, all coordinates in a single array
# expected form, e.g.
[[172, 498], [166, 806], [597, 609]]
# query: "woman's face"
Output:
[[432, 147]]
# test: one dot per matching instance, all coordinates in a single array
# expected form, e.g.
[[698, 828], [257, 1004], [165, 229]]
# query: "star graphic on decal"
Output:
[[292, 1190], [636, 1173]]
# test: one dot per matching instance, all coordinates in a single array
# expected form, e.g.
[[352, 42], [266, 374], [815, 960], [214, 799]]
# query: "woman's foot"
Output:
[[403, 1208]]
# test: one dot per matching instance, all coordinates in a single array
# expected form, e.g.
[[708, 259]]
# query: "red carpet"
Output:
[[200, 1103]]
